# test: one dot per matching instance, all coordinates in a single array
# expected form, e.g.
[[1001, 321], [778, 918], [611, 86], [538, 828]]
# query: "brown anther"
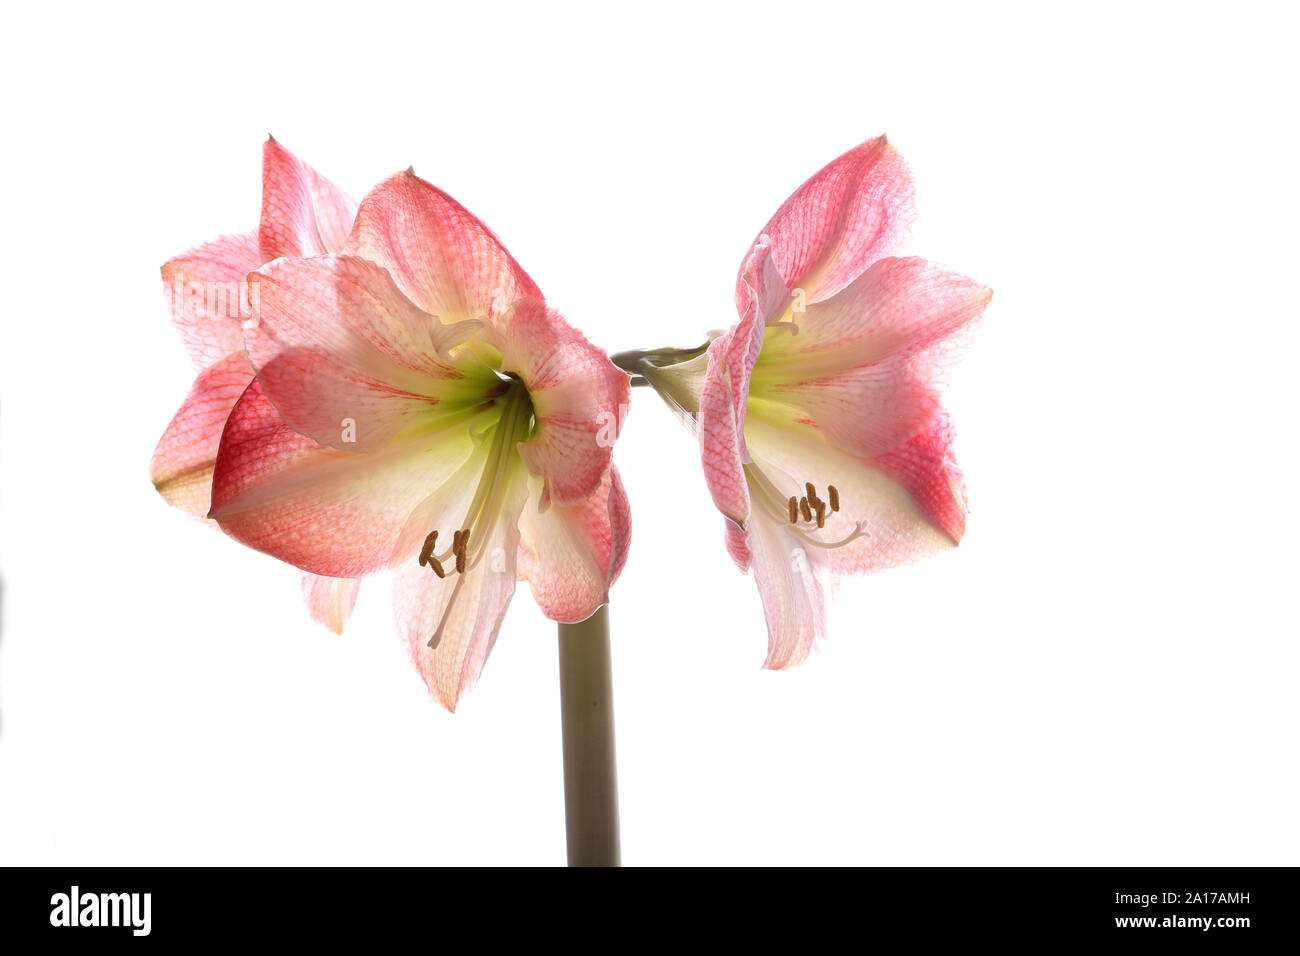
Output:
[[437, 567], [835, 497], [458, 547], [804, 509], [821, 514], [429, 543], [794, 510], [812, 494]]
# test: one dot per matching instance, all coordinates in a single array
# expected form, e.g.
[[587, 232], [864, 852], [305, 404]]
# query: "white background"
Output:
[[1104, 673]]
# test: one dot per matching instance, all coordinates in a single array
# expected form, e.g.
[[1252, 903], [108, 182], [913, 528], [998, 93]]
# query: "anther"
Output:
[[835, 497], [811, 491], [805, 510], [794, 510], [462, 542], [821, 514], [437, 567], [429, 544]]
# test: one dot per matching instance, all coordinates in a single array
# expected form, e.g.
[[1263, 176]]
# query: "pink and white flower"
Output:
[[419, 406], [821, 429]]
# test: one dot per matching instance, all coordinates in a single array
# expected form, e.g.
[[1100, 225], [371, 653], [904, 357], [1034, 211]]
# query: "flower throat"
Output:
[[468, 545]]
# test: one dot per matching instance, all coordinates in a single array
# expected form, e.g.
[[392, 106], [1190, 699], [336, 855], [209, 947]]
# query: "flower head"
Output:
[[821, 432], [419, 406]]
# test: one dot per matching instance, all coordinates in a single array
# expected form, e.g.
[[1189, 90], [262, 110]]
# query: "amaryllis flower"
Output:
[[419, 406], [821, 431], [303, 214]]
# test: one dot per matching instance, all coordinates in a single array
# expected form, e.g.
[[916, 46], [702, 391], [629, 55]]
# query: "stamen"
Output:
[[515, 421], [427, 551], [462, 542], [764, 494], [437, 567]]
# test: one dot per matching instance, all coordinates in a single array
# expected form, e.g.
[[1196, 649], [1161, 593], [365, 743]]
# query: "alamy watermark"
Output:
[[102, 909], [212, 299]]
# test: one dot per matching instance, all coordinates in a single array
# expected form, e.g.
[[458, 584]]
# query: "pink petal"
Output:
[[303, 213], [209, 297], [731, 359], [898, 306], [463, 611], [442, 256], [738, 545], [579, 399], [835, 225], [884, 495], [330, 600], [183, 461], [868, 410], [571, 554], [867, 365], [925, 466], [791, 579], [346, 359], [325, 511], [721, 443]]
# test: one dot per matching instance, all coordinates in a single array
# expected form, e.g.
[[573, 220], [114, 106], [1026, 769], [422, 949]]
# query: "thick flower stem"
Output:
[[587, 713]]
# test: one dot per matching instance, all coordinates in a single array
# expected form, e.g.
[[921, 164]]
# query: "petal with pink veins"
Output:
[[323, 510], [330, 600], [579, 399], [926, 467], [209, 298], [721, 445], [182, 463], [767, 292], [867, 410], [731, 359], [738, 545], [303, 213], [571, 554], [893, 503], [868, 365], [439, 253], [347, 359], [898, 306], [849, 214]]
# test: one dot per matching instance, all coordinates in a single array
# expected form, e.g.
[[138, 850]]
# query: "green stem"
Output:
[[587, 718], [632, 360]]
